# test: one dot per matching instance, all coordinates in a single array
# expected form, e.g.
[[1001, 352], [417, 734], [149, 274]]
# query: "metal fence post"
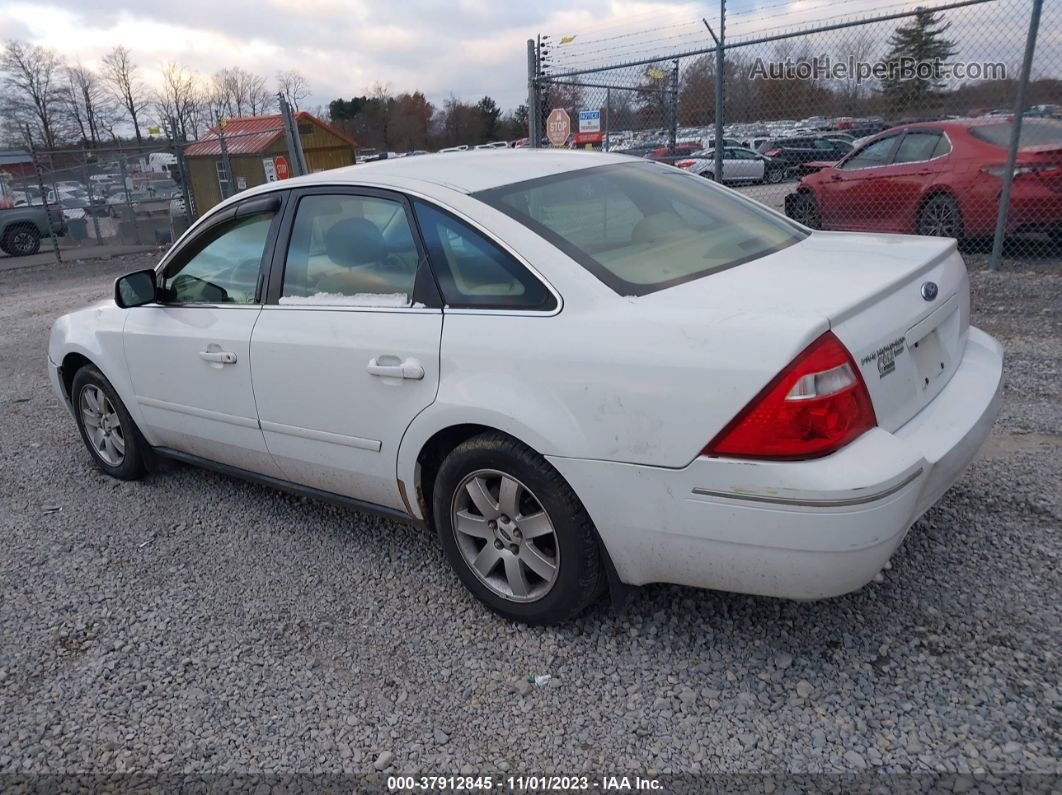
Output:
[[1015, 136], [532, 95], [672, 133], [291, 134], [608, 106], [720, 75], [88, 187], [128, 204], [44, 198], [178, 153]]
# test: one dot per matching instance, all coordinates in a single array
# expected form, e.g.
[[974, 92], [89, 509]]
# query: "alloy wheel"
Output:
[[505, 535], [940, 218], [103, 427], [22, 242]]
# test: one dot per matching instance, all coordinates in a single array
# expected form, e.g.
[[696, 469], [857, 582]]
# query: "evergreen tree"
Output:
[[489, 113], [908, 87]]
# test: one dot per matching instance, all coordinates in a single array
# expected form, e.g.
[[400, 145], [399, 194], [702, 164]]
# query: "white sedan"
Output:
[[580, 370], [739, 165]]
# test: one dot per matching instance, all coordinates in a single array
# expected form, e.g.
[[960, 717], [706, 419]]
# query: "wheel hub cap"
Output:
[[103, 428], [505, 536]]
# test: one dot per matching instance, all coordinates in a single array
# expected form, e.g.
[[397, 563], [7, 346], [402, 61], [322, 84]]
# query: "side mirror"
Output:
[[135, 289]]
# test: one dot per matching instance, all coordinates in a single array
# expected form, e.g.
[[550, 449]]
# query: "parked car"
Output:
[[739, 165], [668, 155], [939, 178], [579, 423], [21, 228], [792, 152]]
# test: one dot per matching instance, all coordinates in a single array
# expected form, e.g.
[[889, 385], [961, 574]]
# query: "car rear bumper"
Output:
[[801, 530]]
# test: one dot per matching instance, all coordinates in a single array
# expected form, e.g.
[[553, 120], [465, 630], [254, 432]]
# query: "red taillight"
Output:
[[815, 406], [684, 163], [773, 152]]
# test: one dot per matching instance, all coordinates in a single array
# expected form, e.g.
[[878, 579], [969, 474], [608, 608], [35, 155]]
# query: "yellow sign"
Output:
[[154, 131], [655, 73]]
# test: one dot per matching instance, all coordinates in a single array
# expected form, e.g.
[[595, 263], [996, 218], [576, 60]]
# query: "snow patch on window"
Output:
[[338, 299]]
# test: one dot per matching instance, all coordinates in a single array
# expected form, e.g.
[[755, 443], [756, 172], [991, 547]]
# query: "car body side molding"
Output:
[[288, 486]]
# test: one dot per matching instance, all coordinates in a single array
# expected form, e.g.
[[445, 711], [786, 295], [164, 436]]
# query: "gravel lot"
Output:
[[193, 623]]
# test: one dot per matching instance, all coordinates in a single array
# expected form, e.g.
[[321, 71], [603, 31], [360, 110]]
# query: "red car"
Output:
[[939, 178]]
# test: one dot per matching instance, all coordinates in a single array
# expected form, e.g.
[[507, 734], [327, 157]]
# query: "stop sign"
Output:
[[281, 163], [558, 127]]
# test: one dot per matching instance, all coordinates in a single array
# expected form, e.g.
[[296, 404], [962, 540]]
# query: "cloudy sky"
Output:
[[465, 47]]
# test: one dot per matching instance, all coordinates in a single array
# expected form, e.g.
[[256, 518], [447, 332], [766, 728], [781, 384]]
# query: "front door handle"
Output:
[[410, 368], [218, 357]]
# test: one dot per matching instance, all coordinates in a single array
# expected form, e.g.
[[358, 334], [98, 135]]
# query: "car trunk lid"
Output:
[[874, 291]]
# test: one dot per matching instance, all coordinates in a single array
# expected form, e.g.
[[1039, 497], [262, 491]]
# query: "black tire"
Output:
[[579, 577], [773, 176], [940, 216], [22, 240], [805, 210], [131, 466]]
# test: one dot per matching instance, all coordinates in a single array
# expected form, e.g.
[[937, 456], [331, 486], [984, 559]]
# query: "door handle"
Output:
[[218, 357], [409, 369]]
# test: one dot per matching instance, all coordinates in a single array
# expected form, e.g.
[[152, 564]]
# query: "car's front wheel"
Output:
[[106, 427], [515, 532]]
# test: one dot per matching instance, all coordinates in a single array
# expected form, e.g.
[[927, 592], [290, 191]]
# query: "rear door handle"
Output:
[[219, 357], [409, 369]]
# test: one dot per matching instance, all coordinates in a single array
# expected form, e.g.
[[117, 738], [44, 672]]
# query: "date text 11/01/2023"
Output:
[[518, 783]]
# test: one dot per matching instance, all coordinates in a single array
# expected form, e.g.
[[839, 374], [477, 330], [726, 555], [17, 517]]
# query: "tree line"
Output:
[[49, 102], [408, 121]]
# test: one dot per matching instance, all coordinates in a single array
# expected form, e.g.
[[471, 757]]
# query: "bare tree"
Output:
[[178, 100], [31, 78], [259, 98], [238, 92], [292, 84], [87, 103], [120, 74]]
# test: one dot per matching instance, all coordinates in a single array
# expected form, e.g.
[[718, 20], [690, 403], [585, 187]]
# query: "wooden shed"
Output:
[[257, 153]]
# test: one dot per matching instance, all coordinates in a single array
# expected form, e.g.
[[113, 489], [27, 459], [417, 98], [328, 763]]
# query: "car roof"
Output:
[[467, 172]]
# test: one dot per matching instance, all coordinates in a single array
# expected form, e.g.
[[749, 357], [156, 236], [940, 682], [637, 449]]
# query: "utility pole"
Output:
[[672, 135]]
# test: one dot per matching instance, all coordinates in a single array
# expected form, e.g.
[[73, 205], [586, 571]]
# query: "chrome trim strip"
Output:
[[192, 411], [323, 436], [837, 503]]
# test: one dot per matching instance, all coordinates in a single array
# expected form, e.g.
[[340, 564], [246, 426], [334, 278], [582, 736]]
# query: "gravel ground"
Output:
[[192, 623]]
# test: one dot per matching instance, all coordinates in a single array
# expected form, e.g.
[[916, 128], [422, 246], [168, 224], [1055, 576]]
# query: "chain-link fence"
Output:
[[901, 122], [130, 197]]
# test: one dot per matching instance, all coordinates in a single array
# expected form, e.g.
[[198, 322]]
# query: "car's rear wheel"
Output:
[[940, 216], [515, 532], [805, 210], [106, 427], [21, 241], [774, 175]]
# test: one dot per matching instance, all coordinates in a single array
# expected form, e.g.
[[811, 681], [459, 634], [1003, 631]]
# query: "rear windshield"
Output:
[[1034, 132], [641, 227]]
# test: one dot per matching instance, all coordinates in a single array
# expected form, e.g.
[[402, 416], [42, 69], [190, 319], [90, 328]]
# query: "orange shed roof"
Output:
[[252, 135]]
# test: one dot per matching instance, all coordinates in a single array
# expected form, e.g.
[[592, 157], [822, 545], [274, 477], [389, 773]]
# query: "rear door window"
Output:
[[917, 146]]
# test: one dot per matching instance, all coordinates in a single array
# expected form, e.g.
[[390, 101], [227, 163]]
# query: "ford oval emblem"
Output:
[[929, 290]]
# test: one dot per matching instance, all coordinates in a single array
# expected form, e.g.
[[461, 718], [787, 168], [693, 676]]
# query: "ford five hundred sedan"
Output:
[[580, 370]]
